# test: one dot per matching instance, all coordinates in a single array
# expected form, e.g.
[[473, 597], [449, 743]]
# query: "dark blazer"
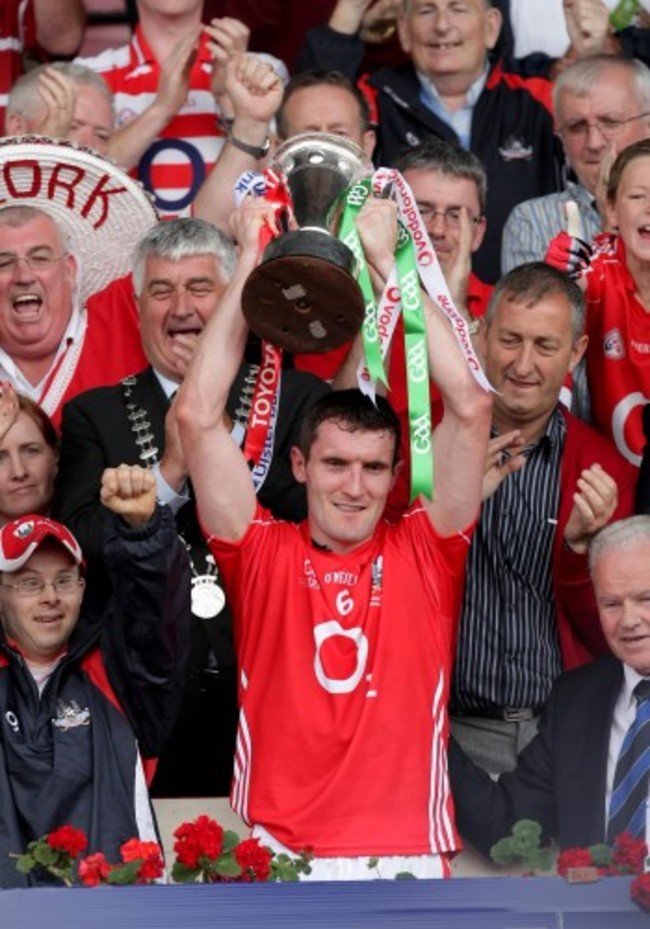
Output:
[[96, 434], [560, 779]]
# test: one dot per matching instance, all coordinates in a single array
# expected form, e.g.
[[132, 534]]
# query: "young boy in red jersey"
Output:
[[614, 274]]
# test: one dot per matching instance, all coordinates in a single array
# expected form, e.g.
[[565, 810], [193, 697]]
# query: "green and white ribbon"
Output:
[[417, 366], [355, 197], [416, 265]]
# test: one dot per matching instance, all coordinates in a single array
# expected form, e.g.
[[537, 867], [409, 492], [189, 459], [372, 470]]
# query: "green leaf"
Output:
[[25, 863], [543, 859], [405, 876], [125, 873], [601, 855], [527, 828], [372, 863], [286, 872], [181, 874], [45, 855], [230, 840], [227, 866], [503, 852]]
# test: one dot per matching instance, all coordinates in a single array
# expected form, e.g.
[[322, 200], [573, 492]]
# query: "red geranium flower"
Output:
[[152, 863], [67, 839], [628, 854], [94, 870], [640, 891], [254, 860], [201, 839], [573, 858]]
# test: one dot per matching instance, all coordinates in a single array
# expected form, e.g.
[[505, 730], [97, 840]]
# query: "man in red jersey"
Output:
[[68, 222], [344, 624]]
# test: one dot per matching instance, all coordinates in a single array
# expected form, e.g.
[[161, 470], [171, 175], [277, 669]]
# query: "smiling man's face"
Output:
[[35, 288], [177, 299], [622, 586], [449, 38]]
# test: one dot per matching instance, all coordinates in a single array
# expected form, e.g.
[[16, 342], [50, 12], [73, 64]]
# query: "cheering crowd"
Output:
[[382, 618]]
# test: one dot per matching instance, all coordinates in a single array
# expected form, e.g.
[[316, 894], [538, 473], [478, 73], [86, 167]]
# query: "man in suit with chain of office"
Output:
[[180, 270]]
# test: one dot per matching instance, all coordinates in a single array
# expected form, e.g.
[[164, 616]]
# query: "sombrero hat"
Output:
[[103, 211]]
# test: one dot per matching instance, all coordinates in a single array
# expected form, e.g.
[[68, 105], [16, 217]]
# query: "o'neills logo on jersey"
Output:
[[341, 577], [64, 184], [613, 347], [643, 348]]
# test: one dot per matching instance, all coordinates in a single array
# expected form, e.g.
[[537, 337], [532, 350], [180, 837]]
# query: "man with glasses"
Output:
[[450, 188], [86, 700], [602, 105], [51, 347]]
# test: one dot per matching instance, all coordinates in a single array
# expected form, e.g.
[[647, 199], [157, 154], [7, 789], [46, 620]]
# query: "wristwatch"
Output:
[[256, 151]]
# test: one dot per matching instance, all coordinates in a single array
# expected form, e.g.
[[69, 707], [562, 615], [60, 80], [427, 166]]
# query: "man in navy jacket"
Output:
[[86, 701]]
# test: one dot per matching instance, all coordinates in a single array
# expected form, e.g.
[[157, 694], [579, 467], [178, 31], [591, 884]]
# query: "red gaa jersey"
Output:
[[618, 354], [345, 663]]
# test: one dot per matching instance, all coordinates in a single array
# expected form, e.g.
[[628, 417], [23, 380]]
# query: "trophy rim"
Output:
[[324, 138]]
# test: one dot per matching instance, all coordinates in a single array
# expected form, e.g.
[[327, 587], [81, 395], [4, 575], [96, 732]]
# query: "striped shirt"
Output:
[[175, 164], [533, 223], [508, 652]]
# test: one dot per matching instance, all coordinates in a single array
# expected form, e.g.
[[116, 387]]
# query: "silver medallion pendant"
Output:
[[208, 599]]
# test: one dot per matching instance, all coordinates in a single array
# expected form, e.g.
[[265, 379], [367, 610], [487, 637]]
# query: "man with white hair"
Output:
[[63, 100], [602, 105], [577, 778]]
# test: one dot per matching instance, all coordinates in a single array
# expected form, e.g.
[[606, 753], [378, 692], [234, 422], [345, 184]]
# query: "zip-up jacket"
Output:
[[77, 754]]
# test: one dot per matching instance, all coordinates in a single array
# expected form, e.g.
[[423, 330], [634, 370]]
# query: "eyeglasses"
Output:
[[606, 125], [37, 261], [451, 216], [34, 586]]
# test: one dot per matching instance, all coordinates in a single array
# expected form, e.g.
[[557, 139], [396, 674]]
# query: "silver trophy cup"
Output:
[[303, 297]]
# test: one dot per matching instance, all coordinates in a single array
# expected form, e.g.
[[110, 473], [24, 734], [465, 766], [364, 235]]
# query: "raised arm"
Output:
[[146, 630], [222, 482], [460, 440], [254, 91], [130, 141]]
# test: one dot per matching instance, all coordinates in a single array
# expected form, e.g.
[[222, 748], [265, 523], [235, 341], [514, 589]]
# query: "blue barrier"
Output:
[[460, 903]]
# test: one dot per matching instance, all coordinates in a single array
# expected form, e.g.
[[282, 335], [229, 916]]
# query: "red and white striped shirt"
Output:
[[175, 164], [17, 33]]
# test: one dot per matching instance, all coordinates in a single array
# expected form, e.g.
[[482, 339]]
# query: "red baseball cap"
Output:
[[20, 539]]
